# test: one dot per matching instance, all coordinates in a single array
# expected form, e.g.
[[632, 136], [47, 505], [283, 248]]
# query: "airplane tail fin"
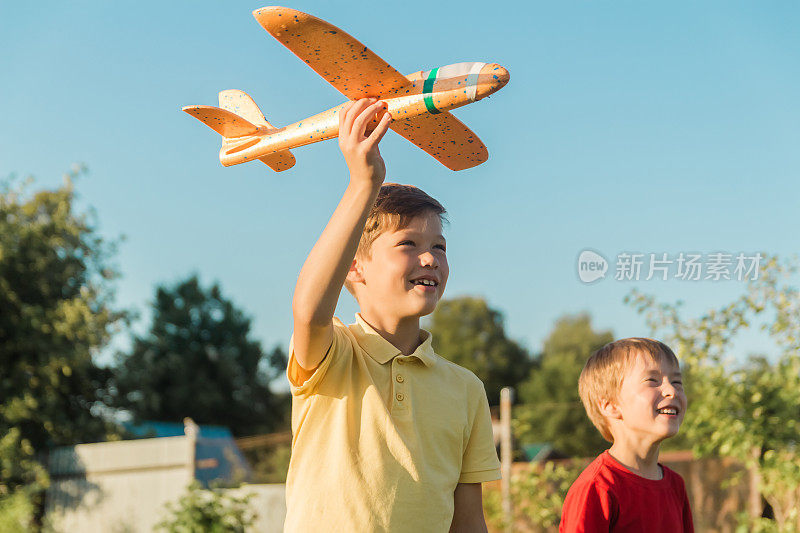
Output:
[[228, 124], [238, 120], [242, 104], [239, 102]]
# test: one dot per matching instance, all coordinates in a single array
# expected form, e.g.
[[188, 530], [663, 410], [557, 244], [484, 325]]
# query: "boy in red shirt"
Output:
[[632, 392]]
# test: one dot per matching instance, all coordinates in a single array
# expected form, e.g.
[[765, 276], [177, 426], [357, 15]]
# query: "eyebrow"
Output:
[[411, 232], [651, 372]]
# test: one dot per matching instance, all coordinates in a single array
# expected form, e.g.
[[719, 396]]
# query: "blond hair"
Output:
[[394, 208], [601, 377]]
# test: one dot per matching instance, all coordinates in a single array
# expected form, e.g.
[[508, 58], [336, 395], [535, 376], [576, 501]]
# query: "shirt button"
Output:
[[399, 397], [399, 378]]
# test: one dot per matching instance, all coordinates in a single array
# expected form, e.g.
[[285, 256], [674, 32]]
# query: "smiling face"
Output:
[[405, 272], [651, 402]]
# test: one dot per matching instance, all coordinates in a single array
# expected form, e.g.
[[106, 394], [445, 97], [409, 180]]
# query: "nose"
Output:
[[668, 390], [428, 259]]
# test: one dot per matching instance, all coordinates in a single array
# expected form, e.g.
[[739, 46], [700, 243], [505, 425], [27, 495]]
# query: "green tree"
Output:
[[748, 409], [471, 334], [551, 410], [56, 312], [198, 360]]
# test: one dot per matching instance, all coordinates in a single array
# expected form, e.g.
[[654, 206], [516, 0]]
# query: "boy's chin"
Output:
[[669, 434], [672, 431], [425, 311], [423, 308]]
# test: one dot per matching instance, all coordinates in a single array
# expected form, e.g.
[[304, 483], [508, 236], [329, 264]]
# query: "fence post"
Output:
[[506, 394], [754, 504], [191, 430]]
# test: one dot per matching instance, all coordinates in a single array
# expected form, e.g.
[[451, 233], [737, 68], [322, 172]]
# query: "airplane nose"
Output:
[[499, 74], [493, 77]]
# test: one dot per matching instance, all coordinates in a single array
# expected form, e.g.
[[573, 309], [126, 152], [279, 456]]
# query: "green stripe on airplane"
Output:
[[427, 89]]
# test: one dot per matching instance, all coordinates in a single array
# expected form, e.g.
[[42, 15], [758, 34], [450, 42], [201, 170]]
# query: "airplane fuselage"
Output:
[[430, 92]]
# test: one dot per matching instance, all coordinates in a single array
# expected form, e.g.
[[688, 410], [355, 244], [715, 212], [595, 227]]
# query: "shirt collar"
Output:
[[383, 351]]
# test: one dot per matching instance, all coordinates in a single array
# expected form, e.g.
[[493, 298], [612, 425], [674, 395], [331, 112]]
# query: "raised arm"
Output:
[[323, 274]]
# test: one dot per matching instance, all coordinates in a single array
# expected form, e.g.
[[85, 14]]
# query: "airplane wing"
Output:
[[344, 62], [445, 138], [279, 161], [357, 72]]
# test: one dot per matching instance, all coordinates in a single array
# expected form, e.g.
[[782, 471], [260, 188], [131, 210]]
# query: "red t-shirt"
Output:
[[609, 497]]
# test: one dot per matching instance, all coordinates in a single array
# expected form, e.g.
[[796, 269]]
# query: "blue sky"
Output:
[[626, 126]]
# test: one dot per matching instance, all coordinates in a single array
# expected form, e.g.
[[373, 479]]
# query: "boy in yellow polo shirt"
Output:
[[387, 435]]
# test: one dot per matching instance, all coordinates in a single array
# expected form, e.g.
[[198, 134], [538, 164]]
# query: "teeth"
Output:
[[424, 282], [668, 411]]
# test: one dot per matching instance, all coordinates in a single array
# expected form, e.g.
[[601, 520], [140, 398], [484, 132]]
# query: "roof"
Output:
[[152, 429], [541, 451]]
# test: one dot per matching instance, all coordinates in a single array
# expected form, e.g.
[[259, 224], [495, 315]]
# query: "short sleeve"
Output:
[[480, 463], [688, 523], [588, 508], [302, 383]]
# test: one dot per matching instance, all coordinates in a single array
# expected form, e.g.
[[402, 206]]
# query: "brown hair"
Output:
[[394, 208], [601, 377]]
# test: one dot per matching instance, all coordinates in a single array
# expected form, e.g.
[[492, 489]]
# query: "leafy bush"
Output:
[[22, 483], [208, 511], [537, 495], [16, 512]]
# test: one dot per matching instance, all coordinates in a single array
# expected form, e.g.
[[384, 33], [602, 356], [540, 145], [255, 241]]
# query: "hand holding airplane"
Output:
[[418, 103], [359, 147]]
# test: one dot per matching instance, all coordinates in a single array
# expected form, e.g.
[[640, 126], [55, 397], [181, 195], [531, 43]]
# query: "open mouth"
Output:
[[670, 410], [426, 282]]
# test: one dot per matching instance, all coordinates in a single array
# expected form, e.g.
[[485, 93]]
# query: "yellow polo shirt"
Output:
[[380, 440]]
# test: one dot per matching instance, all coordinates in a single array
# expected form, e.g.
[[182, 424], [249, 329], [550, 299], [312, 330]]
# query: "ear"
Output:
[[355, 275], [609, 409]]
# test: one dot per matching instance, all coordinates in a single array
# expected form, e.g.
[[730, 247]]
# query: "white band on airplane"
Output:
[[472, 80]]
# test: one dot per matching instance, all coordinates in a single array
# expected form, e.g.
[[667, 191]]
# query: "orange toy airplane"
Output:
[[419, 103]]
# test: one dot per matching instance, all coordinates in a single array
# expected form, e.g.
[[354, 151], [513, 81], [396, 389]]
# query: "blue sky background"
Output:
[[627, 126]]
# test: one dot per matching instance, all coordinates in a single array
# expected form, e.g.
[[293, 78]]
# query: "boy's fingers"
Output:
[[353, 113], [345, 122], [381, 129], [343, 112], [364, 117]]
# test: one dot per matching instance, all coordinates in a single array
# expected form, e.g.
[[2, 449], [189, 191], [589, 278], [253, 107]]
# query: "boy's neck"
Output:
[[402, 333], [639, 457]]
